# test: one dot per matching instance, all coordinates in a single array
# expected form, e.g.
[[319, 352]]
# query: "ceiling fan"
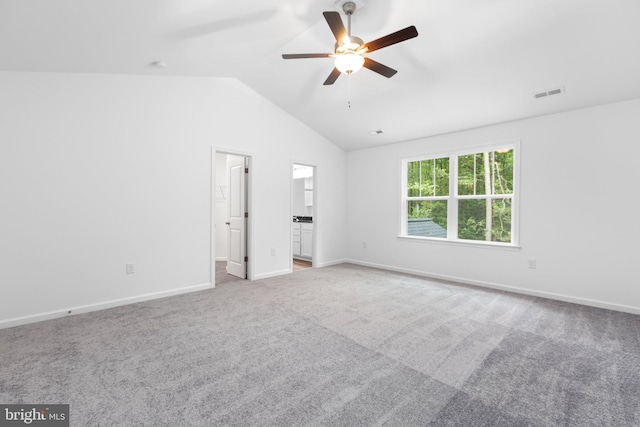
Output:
[[350, 51]]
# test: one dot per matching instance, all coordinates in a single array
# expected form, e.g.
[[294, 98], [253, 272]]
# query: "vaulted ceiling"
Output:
[[474, 63]]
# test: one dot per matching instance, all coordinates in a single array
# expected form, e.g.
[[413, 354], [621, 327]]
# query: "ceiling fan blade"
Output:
[[393, 38], [306, 55], [336, 25], [332, 77], [379, 68]]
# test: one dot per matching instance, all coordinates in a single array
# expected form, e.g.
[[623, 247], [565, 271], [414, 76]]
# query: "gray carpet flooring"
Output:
[[337, 346], [221, 274]]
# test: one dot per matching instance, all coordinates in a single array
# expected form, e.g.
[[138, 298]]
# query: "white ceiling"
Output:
[[474, 63]]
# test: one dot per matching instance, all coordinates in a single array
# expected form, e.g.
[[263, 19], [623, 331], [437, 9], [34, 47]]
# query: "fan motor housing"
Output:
[[349, 7], [349, 44]]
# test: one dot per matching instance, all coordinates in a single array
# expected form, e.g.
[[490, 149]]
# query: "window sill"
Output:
[[468, 243]]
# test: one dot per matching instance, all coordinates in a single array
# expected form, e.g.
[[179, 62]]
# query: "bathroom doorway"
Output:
[[303, 209]]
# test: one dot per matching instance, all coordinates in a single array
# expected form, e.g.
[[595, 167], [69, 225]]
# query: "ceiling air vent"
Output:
[[550, 92]]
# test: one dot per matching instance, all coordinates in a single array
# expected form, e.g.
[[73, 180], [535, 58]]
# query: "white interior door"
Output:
[[236, 264]]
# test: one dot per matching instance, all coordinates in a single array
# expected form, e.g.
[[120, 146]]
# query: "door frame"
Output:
[[314, 246], [249, 250]]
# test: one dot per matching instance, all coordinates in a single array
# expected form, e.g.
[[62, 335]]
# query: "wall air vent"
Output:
[[550, 92]]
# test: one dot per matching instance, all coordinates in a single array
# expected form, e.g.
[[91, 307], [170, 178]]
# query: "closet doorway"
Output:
[[231, 217]]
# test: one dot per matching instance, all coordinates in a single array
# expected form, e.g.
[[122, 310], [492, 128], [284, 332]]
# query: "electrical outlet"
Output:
[[364, 245], [531, 263], [273, 251], [131, 268]]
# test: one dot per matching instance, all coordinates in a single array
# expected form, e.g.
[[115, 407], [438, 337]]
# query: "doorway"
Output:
[[230, 218], [303, 208]]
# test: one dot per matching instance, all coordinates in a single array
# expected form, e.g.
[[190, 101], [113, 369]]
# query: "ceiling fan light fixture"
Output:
[[349, 63], [349, 53]]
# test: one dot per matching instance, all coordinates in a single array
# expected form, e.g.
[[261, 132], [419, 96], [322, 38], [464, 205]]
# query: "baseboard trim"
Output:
[[17, 321], [330, 263], [525, 291], [288, 271], [271, 274]]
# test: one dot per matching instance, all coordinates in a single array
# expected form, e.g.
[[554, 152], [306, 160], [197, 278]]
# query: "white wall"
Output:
[[578, 209], [100, 170]]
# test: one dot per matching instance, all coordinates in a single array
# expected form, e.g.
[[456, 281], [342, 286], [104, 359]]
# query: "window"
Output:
[[461, 196]]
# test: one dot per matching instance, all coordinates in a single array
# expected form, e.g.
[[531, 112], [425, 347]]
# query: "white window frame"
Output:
[[453, 198]]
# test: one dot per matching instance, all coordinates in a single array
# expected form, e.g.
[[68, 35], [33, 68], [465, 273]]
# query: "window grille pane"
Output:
[[413, 179], [485, 219], [434, 177], [503, 172], [442, 177], [486, 173], [427, 218], [470, 175]]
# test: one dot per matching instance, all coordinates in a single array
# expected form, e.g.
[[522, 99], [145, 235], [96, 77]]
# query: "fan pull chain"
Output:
[[349, 90]]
